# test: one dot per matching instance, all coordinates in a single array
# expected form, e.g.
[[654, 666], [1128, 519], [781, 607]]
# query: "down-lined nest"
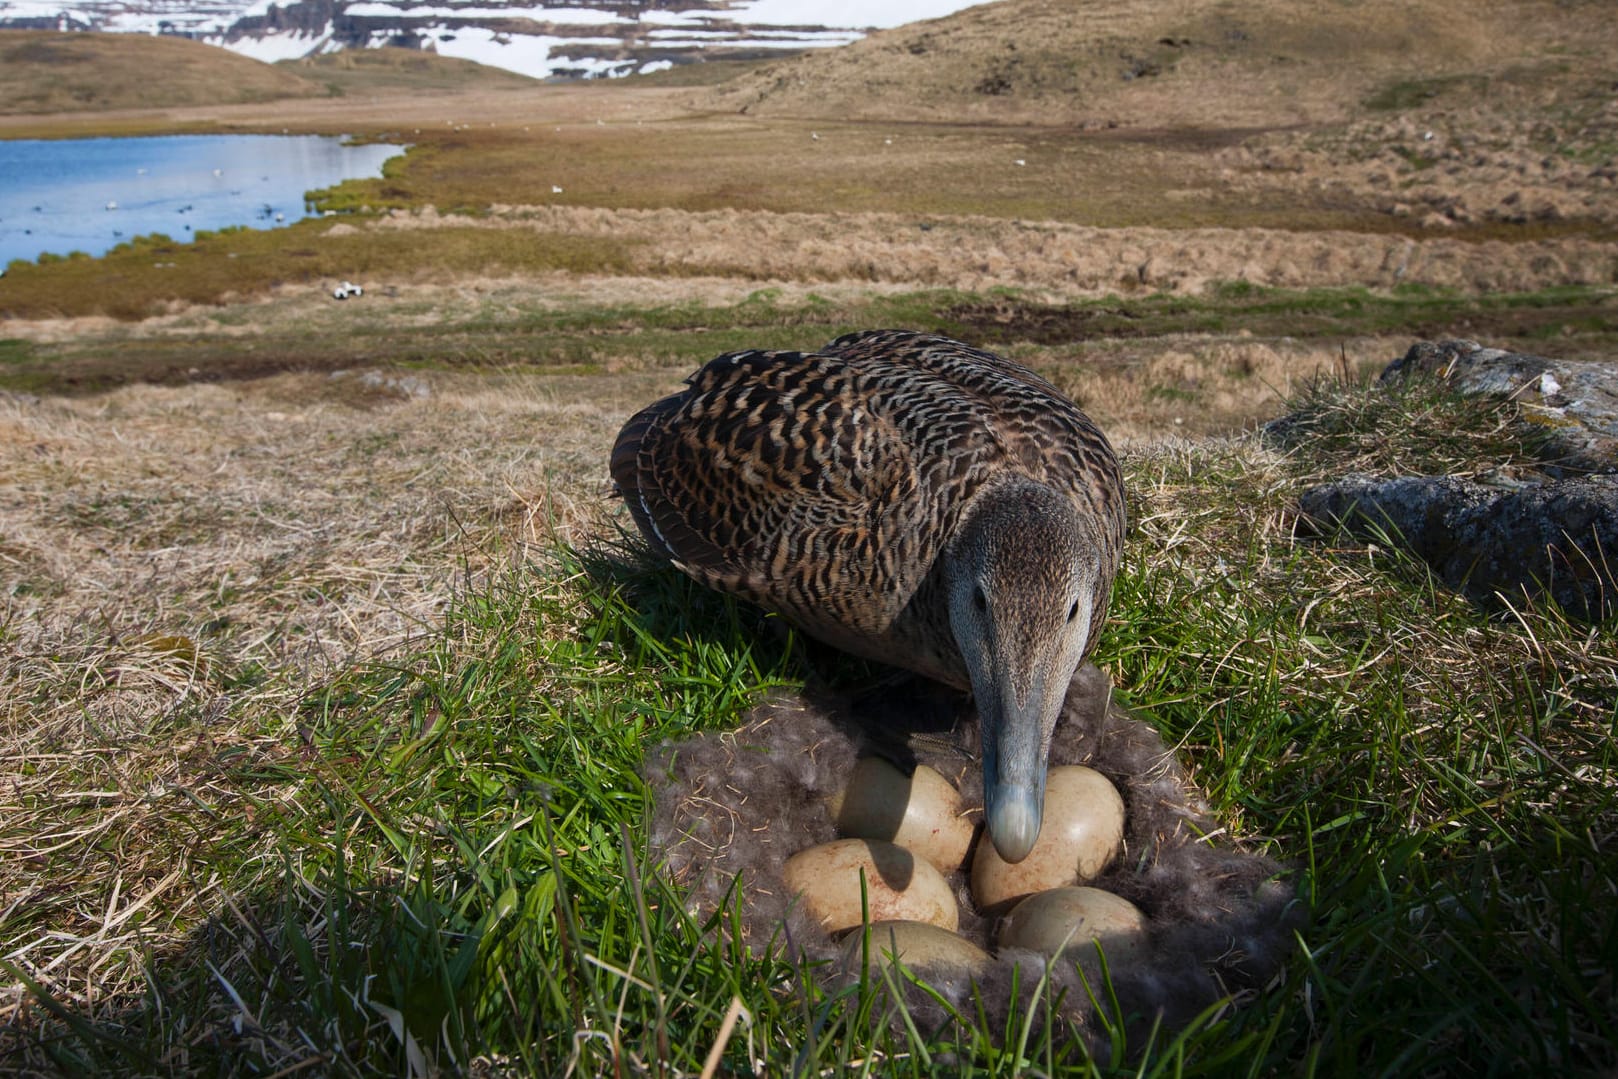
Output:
[[742, 802]]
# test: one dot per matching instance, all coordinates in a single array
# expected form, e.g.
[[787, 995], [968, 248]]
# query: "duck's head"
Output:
[[1028, 578]]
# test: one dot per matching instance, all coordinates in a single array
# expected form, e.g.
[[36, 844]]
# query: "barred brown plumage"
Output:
[[907, 498]]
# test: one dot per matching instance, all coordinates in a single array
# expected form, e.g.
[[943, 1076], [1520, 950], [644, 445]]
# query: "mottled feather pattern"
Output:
[[826, 485]]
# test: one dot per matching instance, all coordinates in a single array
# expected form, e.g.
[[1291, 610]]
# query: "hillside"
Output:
[[363, 71], [41, 71], [1194, 63], [44, 72]]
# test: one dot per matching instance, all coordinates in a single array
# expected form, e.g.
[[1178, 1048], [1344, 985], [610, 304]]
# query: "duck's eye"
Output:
[[1073, 611], [980, 598]]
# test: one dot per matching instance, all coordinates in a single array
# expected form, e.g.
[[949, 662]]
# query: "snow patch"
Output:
[[560, 16], [276, 45]]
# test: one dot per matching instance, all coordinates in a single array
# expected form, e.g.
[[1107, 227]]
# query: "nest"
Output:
[[738, 804]]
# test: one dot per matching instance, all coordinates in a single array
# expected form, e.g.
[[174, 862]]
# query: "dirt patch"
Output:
[[1002, 321]]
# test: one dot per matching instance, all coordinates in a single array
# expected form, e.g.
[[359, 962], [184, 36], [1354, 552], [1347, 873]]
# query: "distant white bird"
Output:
[[555, 190], [112, 205], [1020, 161], [218, 172]]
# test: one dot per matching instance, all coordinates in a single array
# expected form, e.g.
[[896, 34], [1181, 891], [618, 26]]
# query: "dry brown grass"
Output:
[[1149, 392], [179, 565], [1047, 257]]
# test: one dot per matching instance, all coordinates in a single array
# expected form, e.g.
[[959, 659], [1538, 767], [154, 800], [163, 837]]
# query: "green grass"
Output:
[[147, 275], [1401, 95], [438, 859]]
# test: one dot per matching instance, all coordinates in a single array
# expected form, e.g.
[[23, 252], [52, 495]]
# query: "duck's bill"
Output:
[[1014, 765]]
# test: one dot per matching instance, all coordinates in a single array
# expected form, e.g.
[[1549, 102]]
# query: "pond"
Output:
[[64, 195]]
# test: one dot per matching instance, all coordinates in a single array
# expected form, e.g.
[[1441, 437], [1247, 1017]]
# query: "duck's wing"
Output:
[[771, 477]]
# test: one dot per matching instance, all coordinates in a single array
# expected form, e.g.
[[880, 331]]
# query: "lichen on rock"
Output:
[[1558, 538]]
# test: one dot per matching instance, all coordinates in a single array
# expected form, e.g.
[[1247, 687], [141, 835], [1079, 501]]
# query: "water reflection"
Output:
[[89, 195]]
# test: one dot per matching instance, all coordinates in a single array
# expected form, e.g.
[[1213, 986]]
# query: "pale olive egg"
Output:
[[919, 946], [898, 884], [921, 812], [1067, 920], [1082, 828]]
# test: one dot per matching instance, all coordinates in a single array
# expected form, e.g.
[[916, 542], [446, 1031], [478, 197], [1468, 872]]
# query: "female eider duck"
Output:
[[907, 498]]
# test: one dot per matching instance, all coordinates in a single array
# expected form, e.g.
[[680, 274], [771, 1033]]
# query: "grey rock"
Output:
[[1556, 539], [1576, 400], [403, 386]]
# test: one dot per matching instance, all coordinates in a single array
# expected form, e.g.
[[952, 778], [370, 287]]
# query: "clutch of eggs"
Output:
[[902, 834]]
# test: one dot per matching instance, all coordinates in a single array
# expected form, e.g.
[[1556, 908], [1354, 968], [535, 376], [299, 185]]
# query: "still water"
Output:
[[89, 195]]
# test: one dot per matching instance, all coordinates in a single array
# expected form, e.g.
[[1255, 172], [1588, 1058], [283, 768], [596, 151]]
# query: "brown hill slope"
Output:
[[41, 72], [1185, 63], [364, 71]]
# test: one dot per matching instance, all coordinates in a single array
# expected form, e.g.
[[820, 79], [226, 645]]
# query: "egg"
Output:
[[1064, 921], [921, 813], [898, 884], [1082, 828], [919, 946]]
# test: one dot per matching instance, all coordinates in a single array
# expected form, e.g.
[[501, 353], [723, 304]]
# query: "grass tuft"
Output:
[[1343, 422]]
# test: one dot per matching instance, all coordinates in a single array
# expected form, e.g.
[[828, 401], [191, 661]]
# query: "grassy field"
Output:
[[325, 712], [327, 668]]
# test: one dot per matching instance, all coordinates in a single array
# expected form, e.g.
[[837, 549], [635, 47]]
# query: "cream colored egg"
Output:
[[1082, 827], [921, 812], [1064, 921], [918, 945], [898, 884]]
